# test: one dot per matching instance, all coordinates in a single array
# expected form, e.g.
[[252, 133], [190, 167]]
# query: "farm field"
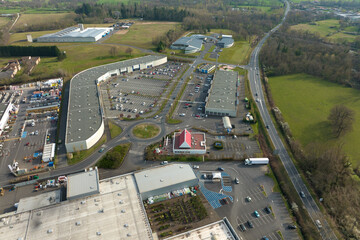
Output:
[[305, 102], [329, 29], [237, 54], [27, 20], [4, 21], [142, 34]]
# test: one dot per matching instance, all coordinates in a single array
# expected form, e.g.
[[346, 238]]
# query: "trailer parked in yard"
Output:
[[256, 161]]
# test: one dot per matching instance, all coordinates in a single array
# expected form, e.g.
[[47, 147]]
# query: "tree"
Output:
[[341, 119], [113, 51], [129, 51]]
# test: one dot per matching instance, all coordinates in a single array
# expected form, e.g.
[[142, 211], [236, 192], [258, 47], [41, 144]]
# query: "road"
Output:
[[256, 89]]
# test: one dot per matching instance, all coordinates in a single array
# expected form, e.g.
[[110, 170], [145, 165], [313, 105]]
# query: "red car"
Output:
[[197, 115]]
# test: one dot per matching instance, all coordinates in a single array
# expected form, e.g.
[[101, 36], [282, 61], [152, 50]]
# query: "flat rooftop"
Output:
[[196, 141], [223, 91], [38, 201], [115, 213], [163, 176], [82, 184], [216, 230], [75, 32], [3, 107], [84, 113]]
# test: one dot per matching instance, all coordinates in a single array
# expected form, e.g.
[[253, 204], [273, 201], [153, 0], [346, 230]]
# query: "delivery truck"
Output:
[[256, 161]]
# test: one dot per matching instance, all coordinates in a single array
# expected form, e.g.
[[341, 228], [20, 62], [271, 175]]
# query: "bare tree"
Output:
[[113, 51], [129, 51], [341, 119]]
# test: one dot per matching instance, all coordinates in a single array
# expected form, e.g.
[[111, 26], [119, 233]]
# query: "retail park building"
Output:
[[85, 117]]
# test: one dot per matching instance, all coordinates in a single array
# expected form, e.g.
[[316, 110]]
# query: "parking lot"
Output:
[[252, 193], [138, 93]]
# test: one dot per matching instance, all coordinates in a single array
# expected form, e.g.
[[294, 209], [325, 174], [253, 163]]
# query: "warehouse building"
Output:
[[163, 179], [189, 143], [5, 109], [190, 44], [223, 94], [76, 34], [115, 212], [85, 116], [226, 41], [206, 68]]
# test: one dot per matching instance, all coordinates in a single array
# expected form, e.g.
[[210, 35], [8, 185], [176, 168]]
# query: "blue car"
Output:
[[101, 150], [256, 214]]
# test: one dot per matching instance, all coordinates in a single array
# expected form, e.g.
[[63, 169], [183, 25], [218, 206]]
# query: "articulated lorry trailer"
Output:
[[256, 161]]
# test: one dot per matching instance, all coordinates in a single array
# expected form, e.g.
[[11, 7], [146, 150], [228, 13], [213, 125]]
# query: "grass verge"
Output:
[[81, 155], [115, 130], [114, 158]]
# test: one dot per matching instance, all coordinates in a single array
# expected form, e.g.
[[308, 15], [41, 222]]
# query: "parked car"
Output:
[[196, 167], [164, 162], [292, 226], [267, 210], [220, 169], [264, 238], [101, 150], [256, 214], [242, 227], [248, 198], [250, 224], [237, 181]]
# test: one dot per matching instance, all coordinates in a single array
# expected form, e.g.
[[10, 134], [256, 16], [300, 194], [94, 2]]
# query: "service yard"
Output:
[[139, 93]]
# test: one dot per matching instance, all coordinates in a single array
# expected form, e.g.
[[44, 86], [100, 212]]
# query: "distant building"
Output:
[[223, 96], [206, 68], [189, 143], [226, 41], [76, 34]]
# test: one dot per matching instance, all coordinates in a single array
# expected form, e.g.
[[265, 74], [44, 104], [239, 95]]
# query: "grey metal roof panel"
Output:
[[223, 91], [163, 176]]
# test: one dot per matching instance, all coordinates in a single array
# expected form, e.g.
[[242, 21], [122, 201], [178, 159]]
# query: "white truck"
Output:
[[256, 161]]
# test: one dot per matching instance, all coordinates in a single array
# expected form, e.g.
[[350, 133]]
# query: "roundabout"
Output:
[[146, 131]]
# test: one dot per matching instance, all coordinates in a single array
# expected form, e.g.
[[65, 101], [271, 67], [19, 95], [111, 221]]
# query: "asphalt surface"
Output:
[[256, 89]]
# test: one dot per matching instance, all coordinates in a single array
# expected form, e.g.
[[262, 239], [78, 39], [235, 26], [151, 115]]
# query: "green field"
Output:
[[118, 1], [237, 54], [4, 21], [329, 29], [27, 20], [305, 102], [80, 58], [142, 34]]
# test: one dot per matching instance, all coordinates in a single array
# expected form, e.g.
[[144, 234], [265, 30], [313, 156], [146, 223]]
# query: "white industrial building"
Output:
[[164, 179], [85, 117], [115, 212], [5, 109], [223, 94], [226, 41], [48, 152], [76, 34]]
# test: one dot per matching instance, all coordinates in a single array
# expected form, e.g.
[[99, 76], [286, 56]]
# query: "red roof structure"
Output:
[[185, 139]]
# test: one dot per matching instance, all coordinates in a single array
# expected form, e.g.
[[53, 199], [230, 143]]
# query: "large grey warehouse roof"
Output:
[[223, 91], [163, 176], [84, 113], [192, 42]]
